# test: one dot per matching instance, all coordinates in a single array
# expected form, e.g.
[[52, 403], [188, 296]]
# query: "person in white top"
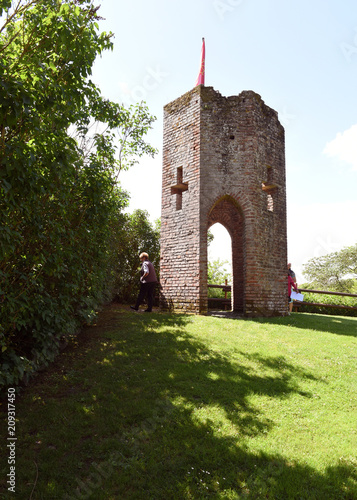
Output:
[[148, 281]]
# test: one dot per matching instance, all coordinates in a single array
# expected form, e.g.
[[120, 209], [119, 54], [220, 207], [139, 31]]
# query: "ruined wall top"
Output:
[[210, 95]]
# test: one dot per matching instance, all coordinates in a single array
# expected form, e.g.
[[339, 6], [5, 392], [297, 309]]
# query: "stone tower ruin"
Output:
[[223, 161]]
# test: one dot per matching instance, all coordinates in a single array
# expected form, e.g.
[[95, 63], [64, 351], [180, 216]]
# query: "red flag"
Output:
[[201, 75]]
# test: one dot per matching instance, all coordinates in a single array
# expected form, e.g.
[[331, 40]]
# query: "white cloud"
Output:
[[344, 146]]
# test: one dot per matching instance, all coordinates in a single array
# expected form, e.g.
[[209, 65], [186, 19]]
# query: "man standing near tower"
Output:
[[148, 281]]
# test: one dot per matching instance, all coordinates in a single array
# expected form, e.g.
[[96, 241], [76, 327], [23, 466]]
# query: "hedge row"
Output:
[[61, 146], [329, 299]]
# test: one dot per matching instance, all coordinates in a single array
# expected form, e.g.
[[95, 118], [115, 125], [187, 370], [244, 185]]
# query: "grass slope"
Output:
[[167, 406]]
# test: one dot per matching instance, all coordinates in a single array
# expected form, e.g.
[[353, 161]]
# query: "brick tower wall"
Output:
[[224, 161], [180, 218]]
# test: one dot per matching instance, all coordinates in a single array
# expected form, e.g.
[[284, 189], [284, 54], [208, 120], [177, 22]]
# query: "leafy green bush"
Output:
[[329, 299], [137, 235], [217, 275], [61, 207]]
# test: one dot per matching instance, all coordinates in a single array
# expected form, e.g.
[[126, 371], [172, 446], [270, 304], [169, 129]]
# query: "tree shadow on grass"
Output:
[[338, 325], [143, 417]]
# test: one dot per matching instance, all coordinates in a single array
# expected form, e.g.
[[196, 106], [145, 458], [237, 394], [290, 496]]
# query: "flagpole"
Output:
[[201, 75]]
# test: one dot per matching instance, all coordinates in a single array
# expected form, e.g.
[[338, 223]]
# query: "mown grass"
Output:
[[167, 406]]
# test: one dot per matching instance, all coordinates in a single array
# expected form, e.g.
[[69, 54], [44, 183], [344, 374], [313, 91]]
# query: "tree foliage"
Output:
[[217, 274], [138, 235], [62, 146], [336, 271]]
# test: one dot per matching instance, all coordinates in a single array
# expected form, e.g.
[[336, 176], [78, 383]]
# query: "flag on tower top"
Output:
[[201, 75]]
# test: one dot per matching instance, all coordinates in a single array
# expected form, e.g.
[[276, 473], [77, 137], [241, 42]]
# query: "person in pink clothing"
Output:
[[291, 284]]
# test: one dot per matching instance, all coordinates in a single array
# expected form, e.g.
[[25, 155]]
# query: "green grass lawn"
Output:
[[166, 406]]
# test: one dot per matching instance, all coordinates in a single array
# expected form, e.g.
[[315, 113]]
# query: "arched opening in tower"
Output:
[[219, 269], [227, 212]]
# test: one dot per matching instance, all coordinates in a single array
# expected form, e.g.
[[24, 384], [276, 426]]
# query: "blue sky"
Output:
[[301, 57]]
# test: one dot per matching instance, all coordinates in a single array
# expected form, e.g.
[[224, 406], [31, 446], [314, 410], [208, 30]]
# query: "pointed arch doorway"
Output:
[[219, 265], [227, 211]]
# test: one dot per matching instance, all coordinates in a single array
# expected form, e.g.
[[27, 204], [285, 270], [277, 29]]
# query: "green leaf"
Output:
[[61, 234]]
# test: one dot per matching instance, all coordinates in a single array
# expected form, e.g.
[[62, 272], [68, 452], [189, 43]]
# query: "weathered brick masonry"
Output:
[[223, 161]]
